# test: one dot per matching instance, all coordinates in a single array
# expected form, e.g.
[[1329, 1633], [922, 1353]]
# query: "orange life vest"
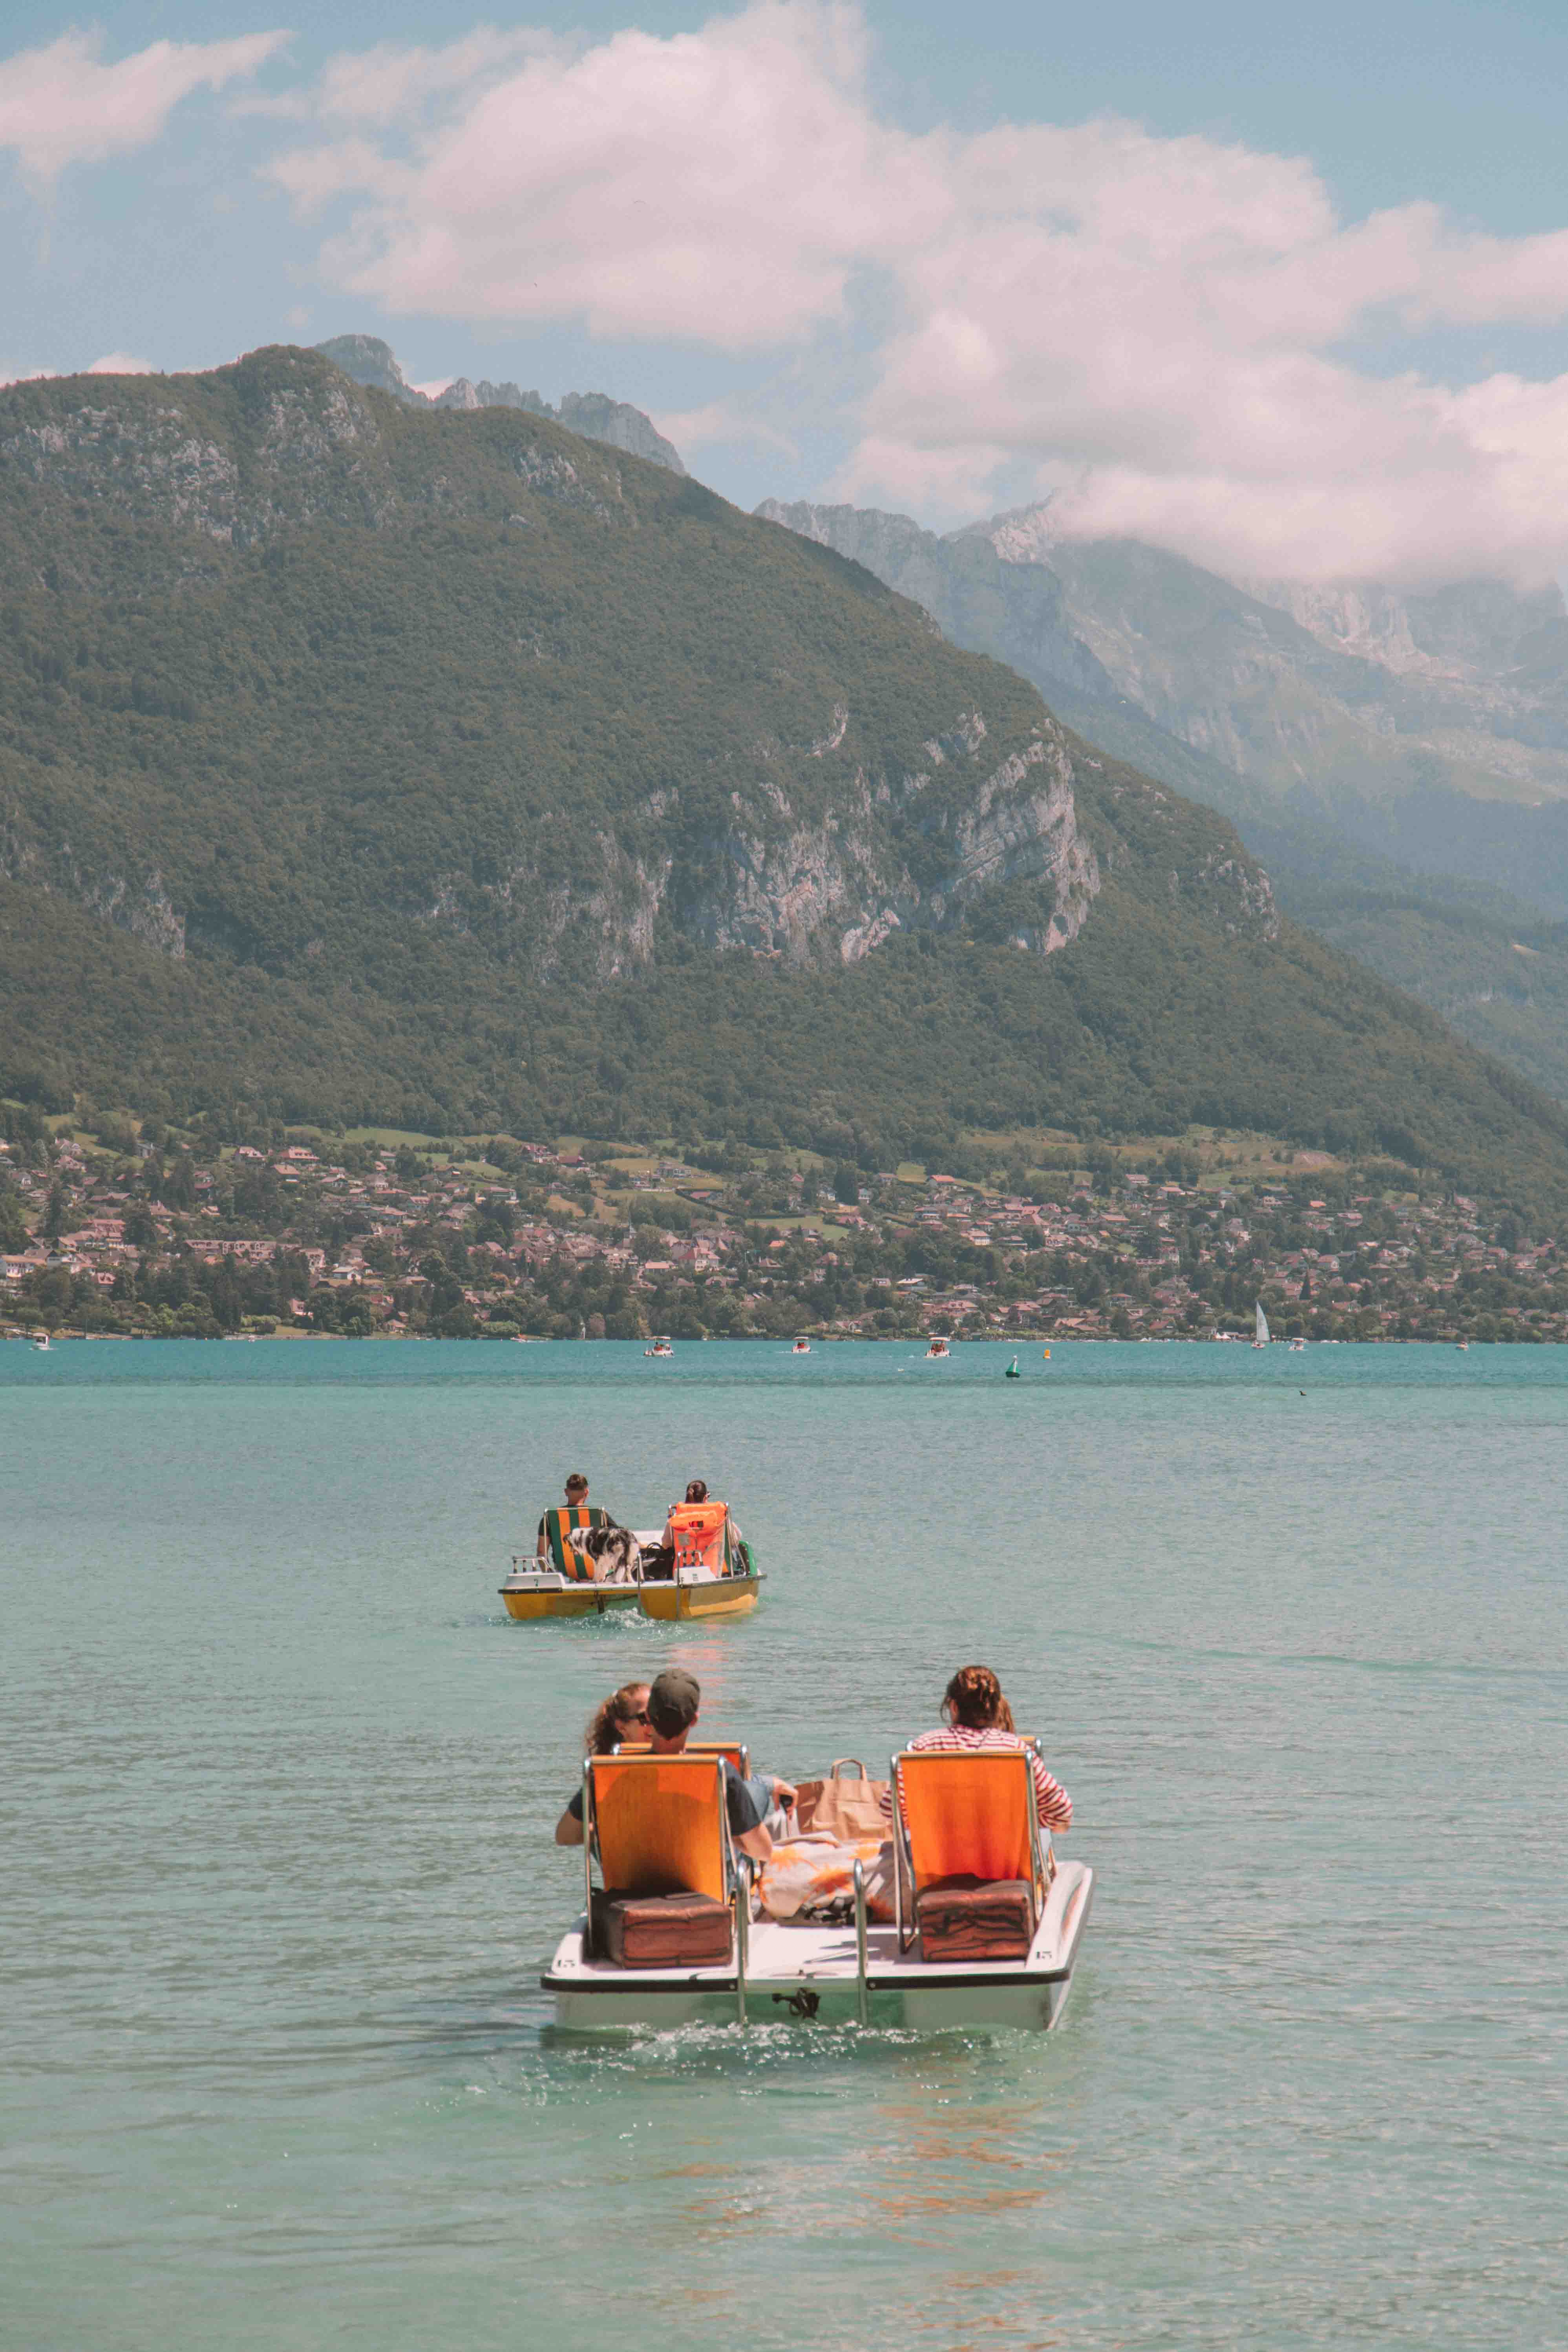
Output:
[[699, 1532]]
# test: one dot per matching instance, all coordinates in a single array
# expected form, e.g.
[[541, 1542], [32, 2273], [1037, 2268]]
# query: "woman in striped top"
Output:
[[975, 1715]]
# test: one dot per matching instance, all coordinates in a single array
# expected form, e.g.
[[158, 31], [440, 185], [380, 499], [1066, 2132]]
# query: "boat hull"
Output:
[[810, 1976], [526, 1606], [672, 1603]]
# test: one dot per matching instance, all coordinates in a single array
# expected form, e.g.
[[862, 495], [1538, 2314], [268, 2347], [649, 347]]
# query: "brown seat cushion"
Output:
[[976, 1918], [661, 1931]]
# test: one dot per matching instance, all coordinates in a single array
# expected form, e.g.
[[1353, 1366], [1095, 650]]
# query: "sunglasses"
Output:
[[641, 1716]]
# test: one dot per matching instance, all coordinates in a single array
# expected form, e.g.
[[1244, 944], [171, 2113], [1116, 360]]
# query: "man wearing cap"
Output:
[[673, 1701]]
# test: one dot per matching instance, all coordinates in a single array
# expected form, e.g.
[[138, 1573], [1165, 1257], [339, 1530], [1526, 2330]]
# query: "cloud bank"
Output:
[[1166, 334]]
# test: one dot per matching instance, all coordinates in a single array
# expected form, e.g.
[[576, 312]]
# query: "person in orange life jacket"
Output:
[[580, 1513], [694, 1531], [673, 1701]]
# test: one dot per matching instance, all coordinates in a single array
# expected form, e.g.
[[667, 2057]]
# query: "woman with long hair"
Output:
[[623, 1715], [975, 1714]]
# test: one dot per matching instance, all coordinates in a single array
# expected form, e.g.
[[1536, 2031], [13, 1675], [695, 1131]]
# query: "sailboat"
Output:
[[1261, 1339]]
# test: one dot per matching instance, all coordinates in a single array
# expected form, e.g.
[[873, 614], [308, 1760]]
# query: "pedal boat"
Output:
[[537, 1588], [660, 1825]]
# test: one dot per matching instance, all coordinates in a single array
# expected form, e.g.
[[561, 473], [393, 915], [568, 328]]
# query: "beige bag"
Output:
[[841, 1808]]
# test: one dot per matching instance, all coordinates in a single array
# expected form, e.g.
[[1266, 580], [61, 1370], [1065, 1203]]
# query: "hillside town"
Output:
[[116, 1231]]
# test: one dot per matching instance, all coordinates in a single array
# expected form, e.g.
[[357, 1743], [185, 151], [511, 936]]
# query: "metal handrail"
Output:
[[742, 1933], [862, 1990], [588, 1854]]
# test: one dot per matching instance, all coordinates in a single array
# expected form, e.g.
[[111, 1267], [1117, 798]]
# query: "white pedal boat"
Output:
[[863, 1971]]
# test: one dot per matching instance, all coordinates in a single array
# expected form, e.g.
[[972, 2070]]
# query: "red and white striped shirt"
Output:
[[1052, 1801]]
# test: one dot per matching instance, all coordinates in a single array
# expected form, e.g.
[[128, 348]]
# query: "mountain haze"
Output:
[[444, 767]]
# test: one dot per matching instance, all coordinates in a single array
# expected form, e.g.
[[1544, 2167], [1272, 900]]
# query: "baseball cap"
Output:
[[673, 1699]]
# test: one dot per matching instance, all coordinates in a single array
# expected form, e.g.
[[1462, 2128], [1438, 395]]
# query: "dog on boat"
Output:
[[612, 1551]]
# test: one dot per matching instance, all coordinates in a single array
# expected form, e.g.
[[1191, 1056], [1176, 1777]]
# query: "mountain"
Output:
[[1319, 694], [443, 768], [368, 361], [1347, 731]]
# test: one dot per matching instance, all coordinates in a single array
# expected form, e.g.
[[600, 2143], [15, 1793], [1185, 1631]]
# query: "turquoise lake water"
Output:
[[277, 1780]]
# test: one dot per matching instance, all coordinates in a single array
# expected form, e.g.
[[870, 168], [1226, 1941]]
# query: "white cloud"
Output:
[[1153, 328], [58, 105], [119, 364], [719, 187]]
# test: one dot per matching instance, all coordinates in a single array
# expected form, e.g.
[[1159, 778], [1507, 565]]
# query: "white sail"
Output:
[[1262, 1338]]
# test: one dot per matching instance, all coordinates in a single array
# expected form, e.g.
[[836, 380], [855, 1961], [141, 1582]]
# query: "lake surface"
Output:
[[277, 1780]]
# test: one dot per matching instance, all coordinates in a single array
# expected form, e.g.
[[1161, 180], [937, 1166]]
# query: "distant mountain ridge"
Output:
[[365, 359], [1321, 693]]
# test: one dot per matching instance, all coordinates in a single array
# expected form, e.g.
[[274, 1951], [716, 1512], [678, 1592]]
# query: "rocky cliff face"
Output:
[[781, 888], [367, 359]]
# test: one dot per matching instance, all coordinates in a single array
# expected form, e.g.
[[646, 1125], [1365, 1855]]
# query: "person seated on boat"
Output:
[[694, 1533], [975, 1715], [623, 1715], [674, 1700], [553, 1541]]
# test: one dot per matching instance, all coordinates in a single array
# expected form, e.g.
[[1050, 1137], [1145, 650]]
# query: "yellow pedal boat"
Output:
[[536, 1589]]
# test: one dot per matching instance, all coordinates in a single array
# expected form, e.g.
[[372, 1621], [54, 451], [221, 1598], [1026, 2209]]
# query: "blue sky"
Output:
[[1291, 295]]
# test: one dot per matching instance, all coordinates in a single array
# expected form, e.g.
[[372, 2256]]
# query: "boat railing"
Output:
[[742, 1932]]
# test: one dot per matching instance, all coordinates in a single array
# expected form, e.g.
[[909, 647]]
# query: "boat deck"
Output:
[[808, 1971]]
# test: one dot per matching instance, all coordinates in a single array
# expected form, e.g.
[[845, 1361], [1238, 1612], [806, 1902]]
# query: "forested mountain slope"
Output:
[[449, 769]]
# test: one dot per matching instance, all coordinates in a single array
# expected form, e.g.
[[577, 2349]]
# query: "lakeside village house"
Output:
[[545, 1247]]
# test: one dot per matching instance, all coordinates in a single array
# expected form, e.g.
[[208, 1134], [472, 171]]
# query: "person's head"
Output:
[[973, 1698], [697, 1490], [576, 1490], [623, 1715], [673, 1699]]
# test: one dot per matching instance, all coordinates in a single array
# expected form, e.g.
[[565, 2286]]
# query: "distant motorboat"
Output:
[[42, 1343], [1298, 1346], [660, 1347], [939, 1350], [1260, 1337], [800, 1347], [1462, 1345]]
